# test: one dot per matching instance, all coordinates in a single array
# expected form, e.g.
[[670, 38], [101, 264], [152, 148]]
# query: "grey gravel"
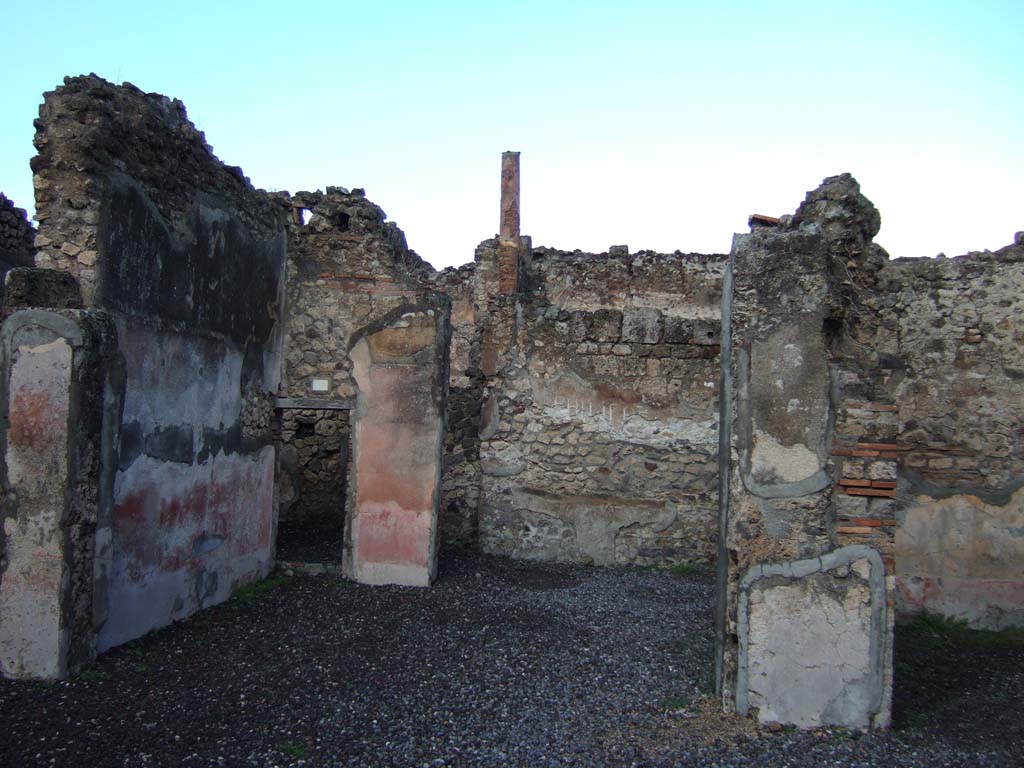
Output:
[[500, 663]]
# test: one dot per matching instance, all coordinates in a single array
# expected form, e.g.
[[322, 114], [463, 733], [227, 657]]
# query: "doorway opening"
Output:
[[312, 446]]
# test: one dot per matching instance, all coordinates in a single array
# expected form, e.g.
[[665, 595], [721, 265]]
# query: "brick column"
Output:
[[508, 247], [509, 197]]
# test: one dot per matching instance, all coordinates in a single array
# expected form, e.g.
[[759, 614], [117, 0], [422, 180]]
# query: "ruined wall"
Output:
[[17, 248], [466, 287], [188, 261], [630, 340], [598, 425], [960, 384], [347, 267]]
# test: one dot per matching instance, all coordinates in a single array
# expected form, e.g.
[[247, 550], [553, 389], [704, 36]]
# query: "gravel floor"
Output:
[[500, 663]]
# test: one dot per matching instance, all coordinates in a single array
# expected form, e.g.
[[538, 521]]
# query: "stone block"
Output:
[[604, 325], [678, 330], [706, 332], [50, 288], [641, 324]]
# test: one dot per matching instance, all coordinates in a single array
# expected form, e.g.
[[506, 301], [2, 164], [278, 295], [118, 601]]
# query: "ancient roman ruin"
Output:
[[189, 364]]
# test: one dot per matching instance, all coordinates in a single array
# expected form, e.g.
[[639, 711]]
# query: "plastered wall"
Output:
[[188, 262]]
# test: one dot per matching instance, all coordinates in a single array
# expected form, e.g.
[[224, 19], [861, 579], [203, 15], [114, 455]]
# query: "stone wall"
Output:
[[598, 424], [188, 261], [460, 495], [17, 238], [630, 340], [960, 422], [347, 267], [312, 447]]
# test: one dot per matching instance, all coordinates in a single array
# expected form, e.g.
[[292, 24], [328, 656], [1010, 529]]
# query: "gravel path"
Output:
[[500, 663]]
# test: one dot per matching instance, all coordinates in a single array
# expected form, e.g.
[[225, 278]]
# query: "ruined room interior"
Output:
[[202, 380]]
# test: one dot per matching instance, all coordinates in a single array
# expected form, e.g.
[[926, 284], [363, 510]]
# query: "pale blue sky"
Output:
[[654, 124]]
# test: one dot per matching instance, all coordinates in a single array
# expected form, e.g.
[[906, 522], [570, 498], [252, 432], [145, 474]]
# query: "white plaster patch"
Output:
[[789, 463], [792, 356], [809, 652], [567, 397]]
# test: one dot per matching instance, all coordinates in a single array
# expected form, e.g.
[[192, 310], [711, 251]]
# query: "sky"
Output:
[[658, 125]]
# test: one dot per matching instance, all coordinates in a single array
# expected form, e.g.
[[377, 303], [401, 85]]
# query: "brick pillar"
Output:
[[509, 197], [508, 247]]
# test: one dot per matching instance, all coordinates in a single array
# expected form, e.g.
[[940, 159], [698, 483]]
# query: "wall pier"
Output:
[[804, 624], [400, 365], [61, 396]]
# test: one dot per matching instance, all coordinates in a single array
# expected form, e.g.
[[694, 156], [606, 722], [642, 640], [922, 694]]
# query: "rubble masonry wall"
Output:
[[17, 238], [188, 261], [598, 423], [347, 267], [959, 546]]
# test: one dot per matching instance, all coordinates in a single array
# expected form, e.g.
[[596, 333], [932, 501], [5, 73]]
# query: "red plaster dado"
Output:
[[394, 501], [389, 534], [982, 602], [167, 510], [37, 419], [381, 478]]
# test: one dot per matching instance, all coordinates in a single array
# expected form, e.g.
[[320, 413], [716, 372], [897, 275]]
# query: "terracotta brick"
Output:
[[879, 407], [870, 491], [872, 522], [855, 529]]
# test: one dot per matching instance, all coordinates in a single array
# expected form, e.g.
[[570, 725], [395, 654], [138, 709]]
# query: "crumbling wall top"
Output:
[[16, 236], [95, 127], [345, 226]]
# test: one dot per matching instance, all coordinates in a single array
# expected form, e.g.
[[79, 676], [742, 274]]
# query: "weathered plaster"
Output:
[[34, 635], [813, 640], [184, 537], [400, 368], [61, 395], [963, 557]]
